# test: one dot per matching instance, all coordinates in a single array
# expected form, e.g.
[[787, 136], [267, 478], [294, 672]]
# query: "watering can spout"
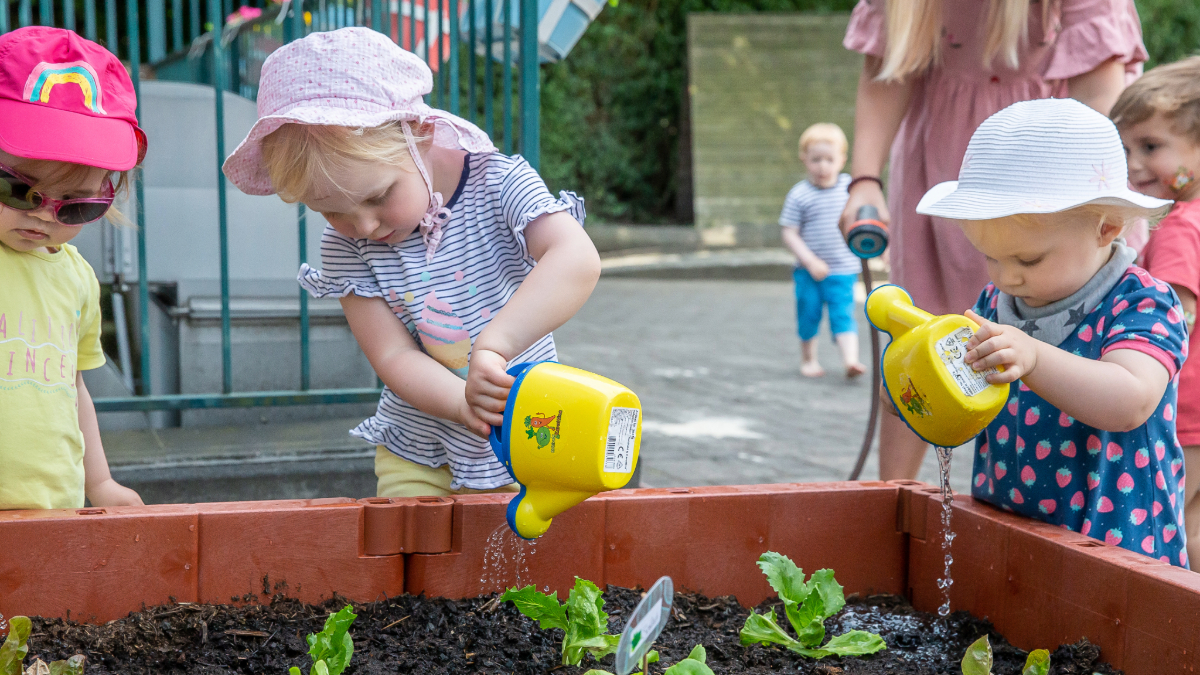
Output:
[[530, 512], [891, 310]]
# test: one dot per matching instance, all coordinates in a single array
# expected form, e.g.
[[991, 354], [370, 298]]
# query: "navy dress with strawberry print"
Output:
[[1123, 488]]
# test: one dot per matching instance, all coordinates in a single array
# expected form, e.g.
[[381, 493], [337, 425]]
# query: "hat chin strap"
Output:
[[436, 215]]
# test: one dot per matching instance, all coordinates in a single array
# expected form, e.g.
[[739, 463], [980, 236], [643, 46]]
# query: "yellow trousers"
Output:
[[402, 478]]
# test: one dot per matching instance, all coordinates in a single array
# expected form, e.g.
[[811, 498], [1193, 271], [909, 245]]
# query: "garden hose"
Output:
[[868, 238]]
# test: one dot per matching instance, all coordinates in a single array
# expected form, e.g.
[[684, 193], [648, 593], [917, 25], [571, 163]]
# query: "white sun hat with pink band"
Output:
[[351, 77]]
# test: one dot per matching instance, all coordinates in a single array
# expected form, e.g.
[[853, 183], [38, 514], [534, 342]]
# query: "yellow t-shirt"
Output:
[[49, 329]]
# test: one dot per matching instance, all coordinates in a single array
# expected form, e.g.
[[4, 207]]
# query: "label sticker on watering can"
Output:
[[622, 433], [645, 624], [953, 349]]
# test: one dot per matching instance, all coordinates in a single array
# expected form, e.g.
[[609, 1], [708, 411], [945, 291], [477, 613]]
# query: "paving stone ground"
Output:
[[716, 365]]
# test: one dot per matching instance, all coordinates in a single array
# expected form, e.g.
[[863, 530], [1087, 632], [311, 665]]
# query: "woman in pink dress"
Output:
[[957, 62]]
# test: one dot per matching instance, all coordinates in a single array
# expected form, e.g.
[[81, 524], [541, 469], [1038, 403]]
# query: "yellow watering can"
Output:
[[941, 398], [567, 435]]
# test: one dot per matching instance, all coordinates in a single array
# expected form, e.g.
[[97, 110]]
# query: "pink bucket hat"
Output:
[[66, 99], [351, 77]]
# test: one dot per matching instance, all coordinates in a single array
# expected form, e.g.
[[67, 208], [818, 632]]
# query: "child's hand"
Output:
[[112, 493], [487, 386], [996, 345], [818, 269]]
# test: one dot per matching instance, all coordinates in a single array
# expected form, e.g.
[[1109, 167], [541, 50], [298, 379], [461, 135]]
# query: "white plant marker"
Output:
[[644, 626]]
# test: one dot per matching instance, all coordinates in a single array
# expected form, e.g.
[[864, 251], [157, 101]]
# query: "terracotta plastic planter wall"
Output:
[[1041, 585]]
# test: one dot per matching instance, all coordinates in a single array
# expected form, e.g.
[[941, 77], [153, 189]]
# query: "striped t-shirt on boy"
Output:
[[445, 304], [815, 212]]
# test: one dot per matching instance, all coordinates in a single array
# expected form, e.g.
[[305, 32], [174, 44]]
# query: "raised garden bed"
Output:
[[1039, 585]]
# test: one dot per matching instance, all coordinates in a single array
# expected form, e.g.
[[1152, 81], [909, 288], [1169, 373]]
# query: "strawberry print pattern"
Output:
[[1124, 488]]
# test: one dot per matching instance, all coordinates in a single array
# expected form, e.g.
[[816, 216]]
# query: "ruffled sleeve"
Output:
[[343, 270], [1092, 32], [867, 32], [525, 198]]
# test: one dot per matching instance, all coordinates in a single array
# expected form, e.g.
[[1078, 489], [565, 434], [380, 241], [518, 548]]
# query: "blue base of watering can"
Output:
[[498, 438]]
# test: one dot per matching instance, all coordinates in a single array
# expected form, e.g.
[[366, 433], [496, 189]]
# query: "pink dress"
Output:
[[930, 257]]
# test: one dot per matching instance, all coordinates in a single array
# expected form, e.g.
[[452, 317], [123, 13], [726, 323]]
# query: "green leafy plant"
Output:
[[978, 660], [331, 649], [16, 647], [694, 664], [807, 604], [582, 619]]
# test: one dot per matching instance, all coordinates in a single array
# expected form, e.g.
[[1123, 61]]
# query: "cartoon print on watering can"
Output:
[[912, 399], [443, 335], [538, 426]]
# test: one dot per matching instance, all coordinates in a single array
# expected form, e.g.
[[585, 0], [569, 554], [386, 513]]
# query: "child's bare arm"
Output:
[[409, 372], [99, 486], [816, 267], [1117, 393], [567, 269]]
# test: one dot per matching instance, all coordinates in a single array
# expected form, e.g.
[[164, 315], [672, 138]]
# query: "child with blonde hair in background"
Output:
[[1159, 120], [68, 138], [826, 269], [452, 261]]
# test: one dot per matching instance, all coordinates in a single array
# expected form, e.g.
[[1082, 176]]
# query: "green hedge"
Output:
[[612, 113]]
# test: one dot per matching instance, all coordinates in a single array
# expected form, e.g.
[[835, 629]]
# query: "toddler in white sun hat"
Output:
[[451, 260], [1090, 343]]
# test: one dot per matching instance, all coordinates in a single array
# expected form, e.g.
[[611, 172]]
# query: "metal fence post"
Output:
[[301, 214], [507, 78], [530, 86], [216, 17], [193, 19], [454, 44], [176, 25], [489, 85], [46, 12], [472, 115], [4, 9], [69, 14], [135, 66], [89, 18], [25, 13], [156, 30], [112, 39]]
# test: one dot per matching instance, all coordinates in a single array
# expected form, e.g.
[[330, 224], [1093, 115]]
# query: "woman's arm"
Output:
[[879, 107], [1100, 87], [1080, 387], [409, 372], [567, 269], [818, 269], [1187, 300], [98, 484]]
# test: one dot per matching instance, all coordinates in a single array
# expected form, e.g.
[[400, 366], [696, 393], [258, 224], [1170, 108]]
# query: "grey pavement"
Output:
[[715, 362]]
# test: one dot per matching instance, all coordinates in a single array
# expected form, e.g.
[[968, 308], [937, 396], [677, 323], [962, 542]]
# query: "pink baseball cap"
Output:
[[66, 99]]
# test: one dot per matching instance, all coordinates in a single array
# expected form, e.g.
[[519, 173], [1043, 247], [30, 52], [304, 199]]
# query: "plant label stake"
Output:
[[645, 624]]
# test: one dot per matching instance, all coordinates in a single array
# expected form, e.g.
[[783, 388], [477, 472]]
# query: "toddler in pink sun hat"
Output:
[[451, 260], [68, 137]]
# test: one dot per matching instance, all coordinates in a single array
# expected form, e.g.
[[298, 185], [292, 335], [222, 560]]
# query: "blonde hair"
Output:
[[1172, 90], [299, 157], [825, 132], [914, 31]]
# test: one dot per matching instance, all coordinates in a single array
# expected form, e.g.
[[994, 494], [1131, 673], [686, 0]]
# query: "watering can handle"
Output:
[[496, 434]]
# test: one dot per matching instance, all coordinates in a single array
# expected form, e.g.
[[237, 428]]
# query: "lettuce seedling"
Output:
[[807, 604], [978, 660], [694, 664], [331, 649], [582, 619], [16, 647]]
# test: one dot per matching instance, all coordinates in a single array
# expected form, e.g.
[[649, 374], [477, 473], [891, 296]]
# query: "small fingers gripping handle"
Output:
[[868, 236]]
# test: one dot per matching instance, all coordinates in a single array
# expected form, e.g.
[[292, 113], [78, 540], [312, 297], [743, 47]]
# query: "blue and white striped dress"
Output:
[[481, 261]]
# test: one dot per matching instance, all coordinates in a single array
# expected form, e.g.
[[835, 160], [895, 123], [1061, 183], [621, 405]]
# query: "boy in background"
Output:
[[826, 269]]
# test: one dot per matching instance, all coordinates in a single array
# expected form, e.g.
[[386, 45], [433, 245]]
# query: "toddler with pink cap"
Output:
[[451, 260], [68, 138]]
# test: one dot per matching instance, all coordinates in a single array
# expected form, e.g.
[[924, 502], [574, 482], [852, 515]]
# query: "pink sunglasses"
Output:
[[16, 192]]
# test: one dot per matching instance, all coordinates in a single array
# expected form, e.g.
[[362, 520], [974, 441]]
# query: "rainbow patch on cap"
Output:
[[47, 75]]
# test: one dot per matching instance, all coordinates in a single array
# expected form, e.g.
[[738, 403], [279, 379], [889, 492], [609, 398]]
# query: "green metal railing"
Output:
[[234, 52]]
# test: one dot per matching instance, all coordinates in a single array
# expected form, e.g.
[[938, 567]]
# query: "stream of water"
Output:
[[506, 559], [943, 455]]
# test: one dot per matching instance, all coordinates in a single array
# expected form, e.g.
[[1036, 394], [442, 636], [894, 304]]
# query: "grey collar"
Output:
[[1054, 323]]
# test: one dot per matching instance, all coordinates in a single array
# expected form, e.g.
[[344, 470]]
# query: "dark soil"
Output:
[[409, 634]]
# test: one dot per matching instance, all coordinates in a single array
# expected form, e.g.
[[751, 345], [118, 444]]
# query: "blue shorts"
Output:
[[835, 291]]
